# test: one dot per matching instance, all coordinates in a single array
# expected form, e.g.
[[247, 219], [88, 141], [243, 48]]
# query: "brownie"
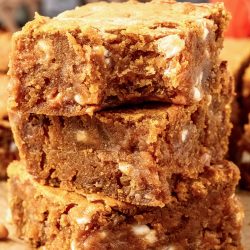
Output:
[[246, 88], [5, 42], [8, 149], [55, 219], [237, 53], [242, 156], [131, 154], [244, 159], [106, 54]]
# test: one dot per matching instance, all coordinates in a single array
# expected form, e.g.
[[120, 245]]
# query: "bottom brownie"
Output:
[[51, 218]]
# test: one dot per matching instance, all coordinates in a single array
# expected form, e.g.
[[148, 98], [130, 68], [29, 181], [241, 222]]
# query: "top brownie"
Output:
[[106, 54]]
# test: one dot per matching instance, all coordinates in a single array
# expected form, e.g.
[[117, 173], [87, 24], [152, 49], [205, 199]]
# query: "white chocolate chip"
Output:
[[245, 158], [151, 237], [140, 230], [13, 147], [170, 45], [167, 72], [125, 167], [107, 61], [73, 245], [79, 99], [107, 56], [199, 78], [184, 134], [97, 48], [44, 46], [106, 53], [205, 32], [83, 220], [81, 136], [172, 69], [144, 231], [197, 94], [206, 159], [240, 217]]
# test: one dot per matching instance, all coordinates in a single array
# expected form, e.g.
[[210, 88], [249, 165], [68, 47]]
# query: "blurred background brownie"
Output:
[[237, 53], [8, 150]]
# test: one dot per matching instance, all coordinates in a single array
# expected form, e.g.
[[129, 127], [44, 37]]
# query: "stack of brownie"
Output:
[[121, 113]]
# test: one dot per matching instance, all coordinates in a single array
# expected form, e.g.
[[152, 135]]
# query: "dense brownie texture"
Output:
[[8, 150], [132, 154], [106, 54], [58, 219]]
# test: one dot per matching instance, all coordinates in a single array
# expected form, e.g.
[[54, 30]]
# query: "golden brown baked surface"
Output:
[[106, 54], [51, 217], [132, 154]]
